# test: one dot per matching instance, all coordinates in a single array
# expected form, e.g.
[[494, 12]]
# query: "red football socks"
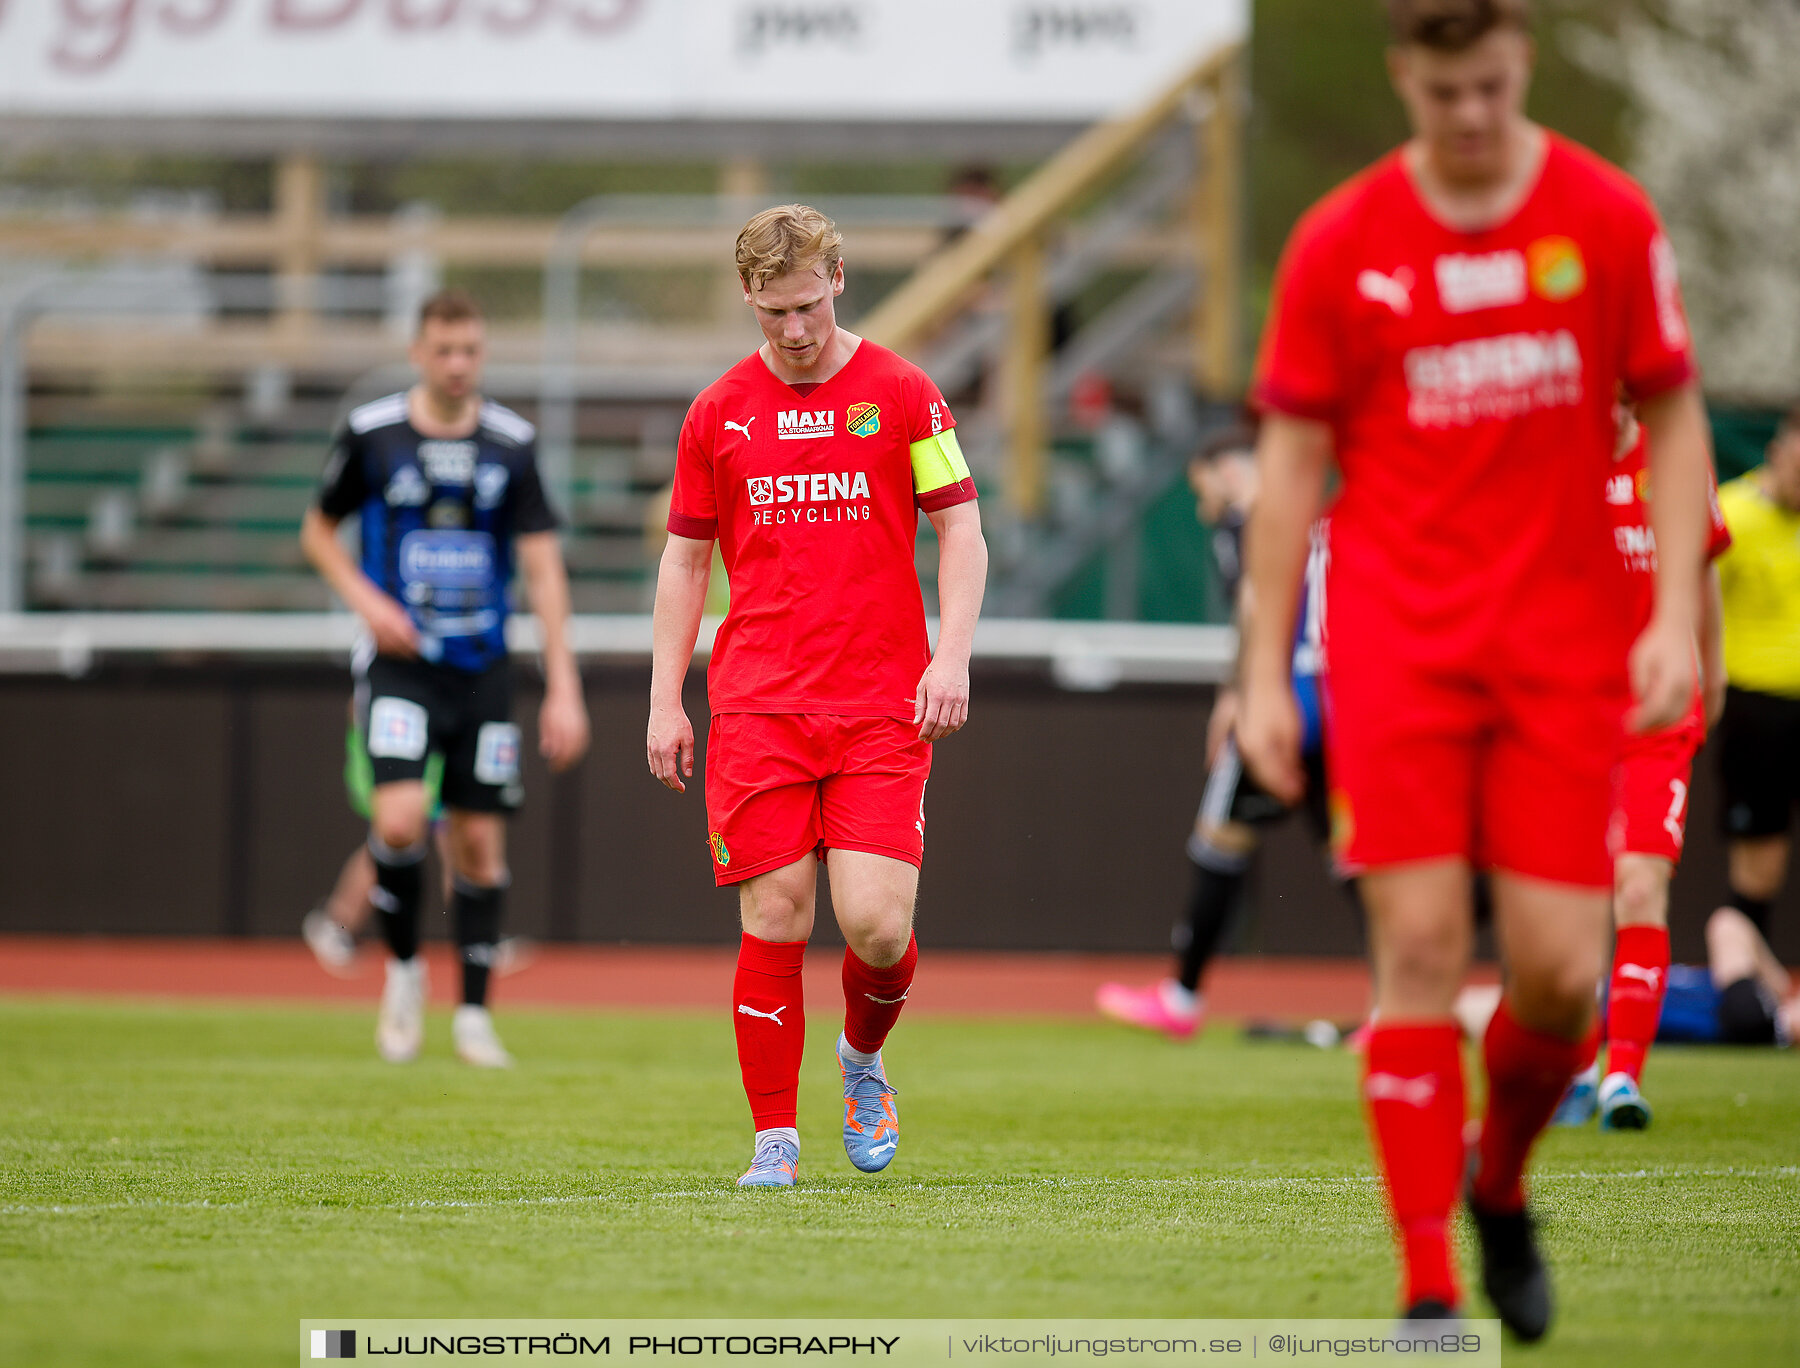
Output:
[[769, 1012], [873, 997], [1590, 1048], [1527, 1072], [1634, 1002], [1413, 1085]]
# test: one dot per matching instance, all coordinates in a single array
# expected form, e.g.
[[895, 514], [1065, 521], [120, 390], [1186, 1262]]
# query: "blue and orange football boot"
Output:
[[773, 1165], [871, 1125]]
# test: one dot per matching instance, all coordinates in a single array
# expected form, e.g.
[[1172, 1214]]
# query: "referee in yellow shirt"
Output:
[[1759, 578]]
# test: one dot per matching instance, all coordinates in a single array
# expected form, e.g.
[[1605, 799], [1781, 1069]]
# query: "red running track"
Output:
[[955, 982]]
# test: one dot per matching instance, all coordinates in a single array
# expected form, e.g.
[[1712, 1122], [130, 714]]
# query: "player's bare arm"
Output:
[[681, 582], [942, 704], [386, 620], [1228, 707], [563, 719], [1662, 661], [1712, 646], [1293, 456]]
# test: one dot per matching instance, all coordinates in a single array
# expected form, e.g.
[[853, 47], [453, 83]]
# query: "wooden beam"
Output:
[[1027, 346], [941, 283], [242, 240], [299, 219], [744, 185], [1218, 228]]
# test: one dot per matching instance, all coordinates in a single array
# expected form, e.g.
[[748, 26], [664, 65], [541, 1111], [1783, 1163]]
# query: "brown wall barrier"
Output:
[[201, 801]]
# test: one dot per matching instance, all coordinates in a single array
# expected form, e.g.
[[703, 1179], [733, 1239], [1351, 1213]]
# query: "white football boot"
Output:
[[400, 1026], [476, 1043]]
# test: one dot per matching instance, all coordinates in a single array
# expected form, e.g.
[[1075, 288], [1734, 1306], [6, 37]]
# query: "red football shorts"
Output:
[[1430, 765], [782, 785], [1650, 816]]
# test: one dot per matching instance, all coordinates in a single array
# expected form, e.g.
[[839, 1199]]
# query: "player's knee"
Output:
[[1754, 909], [398, 830], [482, 865], [773, 914], [1234, 840], [1640, 896], [883, 947], [1558, 1000], [1423, 956]]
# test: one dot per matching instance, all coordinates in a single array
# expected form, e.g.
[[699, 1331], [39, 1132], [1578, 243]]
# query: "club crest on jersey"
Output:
[[794, 425], [490, 485], [863, 420], [1558, 271], [721, 855], [762, 489]]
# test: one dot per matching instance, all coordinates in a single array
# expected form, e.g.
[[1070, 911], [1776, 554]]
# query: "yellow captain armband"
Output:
[[937, 462]]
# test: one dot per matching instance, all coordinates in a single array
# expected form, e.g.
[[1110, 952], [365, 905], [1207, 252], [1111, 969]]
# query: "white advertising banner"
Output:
[[799, 60]]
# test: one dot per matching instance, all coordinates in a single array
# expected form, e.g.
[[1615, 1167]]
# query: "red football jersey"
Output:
[[814, 495], [1627, 500], [1469, 379]]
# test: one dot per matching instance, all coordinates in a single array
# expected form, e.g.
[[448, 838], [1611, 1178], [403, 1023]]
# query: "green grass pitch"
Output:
[[182, 1184]]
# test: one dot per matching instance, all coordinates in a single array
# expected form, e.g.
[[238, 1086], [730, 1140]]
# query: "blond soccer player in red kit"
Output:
[[1450, 328], [809, 462]]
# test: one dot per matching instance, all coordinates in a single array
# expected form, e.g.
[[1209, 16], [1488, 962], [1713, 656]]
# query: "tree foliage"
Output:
[[1715, 137]]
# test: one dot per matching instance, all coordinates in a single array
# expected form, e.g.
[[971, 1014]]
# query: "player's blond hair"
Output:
[[789, 237]]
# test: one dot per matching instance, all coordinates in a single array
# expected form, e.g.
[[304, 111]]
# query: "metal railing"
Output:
[[1083, 656], [1015, 239]]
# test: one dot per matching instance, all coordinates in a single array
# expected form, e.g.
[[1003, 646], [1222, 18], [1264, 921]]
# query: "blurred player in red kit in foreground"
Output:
[[810, 461], [1452, 326]]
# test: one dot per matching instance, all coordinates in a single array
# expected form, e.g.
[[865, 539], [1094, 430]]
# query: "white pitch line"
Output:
[[17, 1209], [1290, 1180]]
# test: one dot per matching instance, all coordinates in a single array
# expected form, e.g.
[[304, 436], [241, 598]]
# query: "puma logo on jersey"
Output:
[[774, 1016], [887, 1002], [1414, 1092], [1394, 290], [1651, 978], [743, 427]]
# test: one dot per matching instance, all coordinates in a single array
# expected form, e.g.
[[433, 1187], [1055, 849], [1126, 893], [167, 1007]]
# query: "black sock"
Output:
[[477, 912], [1218, 882], [1757, 909], [399, 884]]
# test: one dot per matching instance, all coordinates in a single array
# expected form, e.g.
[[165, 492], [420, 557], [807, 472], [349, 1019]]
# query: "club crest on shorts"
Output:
[[721, 855], [863, 419], [1343, 821]]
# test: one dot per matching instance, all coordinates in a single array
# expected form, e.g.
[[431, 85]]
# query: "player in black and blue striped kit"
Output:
[[448, 493], [1225, 835]]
